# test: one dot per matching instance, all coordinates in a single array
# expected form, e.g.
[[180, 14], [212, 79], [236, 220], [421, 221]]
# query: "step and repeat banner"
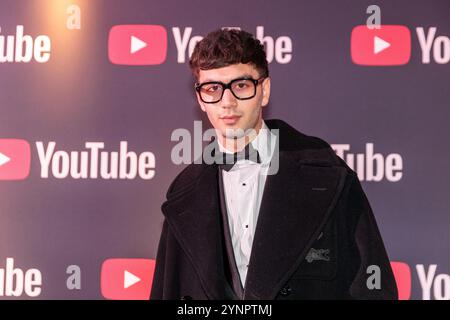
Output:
[[91, 92]]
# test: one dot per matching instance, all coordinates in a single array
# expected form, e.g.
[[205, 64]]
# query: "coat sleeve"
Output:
[[372, 253]]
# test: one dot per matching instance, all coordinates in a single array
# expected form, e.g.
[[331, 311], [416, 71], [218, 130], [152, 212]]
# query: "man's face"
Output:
[[231, 113]]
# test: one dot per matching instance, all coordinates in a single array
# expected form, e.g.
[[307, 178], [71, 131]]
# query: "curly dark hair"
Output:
[[224, 47]]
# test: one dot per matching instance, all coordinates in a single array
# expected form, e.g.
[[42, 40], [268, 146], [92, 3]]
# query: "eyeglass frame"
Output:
[[226, 86]]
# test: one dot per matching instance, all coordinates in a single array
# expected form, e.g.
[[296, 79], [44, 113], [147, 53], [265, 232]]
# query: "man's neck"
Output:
[[235, 145]]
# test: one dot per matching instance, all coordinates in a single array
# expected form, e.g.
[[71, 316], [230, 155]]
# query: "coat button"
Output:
[[286, 291], [186, 298]]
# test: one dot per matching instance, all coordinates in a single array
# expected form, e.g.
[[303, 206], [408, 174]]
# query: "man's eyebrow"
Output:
[[209, 80], [214, 80]]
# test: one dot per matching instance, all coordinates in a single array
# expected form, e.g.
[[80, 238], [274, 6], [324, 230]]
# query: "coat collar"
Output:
[[295, 205]]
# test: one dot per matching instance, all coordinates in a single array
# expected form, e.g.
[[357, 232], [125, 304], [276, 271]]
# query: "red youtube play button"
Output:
[[402, 274], [14, 159], [137, 44], [127, 279], [388, 46]]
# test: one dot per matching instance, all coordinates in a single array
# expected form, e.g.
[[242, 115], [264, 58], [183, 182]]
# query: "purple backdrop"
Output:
[[79, 96]]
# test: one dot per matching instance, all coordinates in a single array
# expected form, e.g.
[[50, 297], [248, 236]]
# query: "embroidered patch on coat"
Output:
[[318, 254]]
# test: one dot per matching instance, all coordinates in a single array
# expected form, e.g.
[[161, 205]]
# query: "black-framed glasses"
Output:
[[242, 88]]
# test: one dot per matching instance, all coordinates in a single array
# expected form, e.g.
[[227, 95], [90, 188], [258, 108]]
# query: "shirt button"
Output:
[[246, 225], [244, 184]]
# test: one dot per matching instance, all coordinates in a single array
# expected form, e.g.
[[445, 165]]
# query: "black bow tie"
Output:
[[228, 160]]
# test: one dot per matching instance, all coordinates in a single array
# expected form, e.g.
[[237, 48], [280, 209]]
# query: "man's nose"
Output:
[[228, 99]]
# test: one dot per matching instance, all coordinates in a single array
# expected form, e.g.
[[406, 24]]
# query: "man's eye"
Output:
[[212, 88], [241, 85]]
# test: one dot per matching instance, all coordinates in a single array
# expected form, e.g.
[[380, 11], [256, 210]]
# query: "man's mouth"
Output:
[[230, 119]]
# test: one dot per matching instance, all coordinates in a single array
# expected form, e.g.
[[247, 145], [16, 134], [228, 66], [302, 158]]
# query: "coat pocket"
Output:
[[321, 260]]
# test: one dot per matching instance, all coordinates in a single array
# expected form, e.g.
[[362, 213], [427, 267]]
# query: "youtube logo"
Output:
[[15, 159], [127, 279], [402, 274], [137, 44], [390, 45]]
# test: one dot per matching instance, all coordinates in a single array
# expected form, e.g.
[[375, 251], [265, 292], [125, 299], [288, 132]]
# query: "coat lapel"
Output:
[[194, 217], [296, 203]]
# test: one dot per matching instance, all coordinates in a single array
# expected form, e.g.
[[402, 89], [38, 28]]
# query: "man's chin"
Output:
[[233, 133]]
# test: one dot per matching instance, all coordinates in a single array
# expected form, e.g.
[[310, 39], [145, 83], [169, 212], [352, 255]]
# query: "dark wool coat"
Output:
[[315, 237]]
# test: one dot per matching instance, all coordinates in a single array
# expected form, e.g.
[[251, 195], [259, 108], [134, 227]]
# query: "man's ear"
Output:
[[266, 92]]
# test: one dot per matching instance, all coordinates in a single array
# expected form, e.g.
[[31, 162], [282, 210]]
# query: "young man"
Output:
[[303, 231]]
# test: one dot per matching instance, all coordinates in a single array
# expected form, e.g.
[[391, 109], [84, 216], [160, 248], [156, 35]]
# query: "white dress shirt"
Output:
[[243, 187]]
